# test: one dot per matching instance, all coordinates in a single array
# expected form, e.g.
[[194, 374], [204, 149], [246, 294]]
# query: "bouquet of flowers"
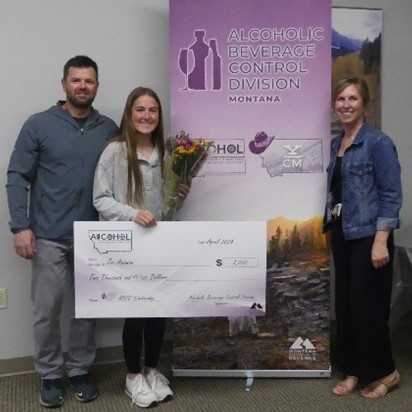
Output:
[[183, 160]]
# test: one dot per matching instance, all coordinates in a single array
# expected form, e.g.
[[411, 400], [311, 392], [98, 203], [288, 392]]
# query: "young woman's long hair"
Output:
[[128, 134]]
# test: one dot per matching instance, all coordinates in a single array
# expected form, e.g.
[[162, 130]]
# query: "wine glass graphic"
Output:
[[184, 65]]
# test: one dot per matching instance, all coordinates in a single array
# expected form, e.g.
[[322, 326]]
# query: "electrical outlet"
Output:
[[3, 298]]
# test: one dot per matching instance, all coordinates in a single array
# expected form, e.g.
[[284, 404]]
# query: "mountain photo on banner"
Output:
[[356, 51]]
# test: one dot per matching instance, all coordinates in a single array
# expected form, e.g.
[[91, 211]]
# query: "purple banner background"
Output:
[[302, 113], [270, 151]]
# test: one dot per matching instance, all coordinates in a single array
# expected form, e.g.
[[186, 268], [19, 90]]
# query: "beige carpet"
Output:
[[19, 393]]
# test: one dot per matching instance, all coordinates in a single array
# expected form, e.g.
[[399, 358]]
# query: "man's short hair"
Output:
[[80, 62]]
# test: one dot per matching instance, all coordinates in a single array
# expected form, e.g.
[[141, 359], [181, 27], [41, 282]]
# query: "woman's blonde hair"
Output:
[[358, 82]]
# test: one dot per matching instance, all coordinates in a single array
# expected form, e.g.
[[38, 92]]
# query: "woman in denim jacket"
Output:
[[364, 197]]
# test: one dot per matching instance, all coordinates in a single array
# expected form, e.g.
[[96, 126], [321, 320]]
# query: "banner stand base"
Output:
[[251, 374], [249, 381]]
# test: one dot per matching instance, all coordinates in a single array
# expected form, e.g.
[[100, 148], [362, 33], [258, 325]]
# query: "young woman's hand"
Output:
[[184, 190], [145, 218]]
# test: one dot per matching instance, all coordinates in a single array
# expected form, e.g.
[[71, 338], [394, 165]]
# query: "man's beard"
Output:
[[80, 103]]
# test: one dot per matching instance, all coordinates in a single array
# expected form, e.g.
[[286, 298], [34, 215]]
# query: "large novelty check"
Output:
[[175, 269]]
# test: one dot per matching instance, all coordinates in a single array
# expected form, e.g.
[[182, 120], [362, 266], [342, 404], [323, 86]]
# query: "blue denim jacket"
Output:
[[371, 184]]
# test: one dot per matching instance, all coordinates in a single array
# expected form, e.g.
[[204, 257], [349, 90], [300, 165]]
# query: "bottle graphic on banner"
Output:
[[200, 49], [216, 66]]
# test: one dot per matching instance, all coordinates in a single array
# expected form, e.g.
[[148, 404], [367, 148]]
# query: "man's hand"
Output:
[[25, 244]]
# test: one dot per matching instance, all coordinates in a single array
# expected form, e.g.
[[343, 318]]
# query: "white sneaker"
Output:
[[159, 385], [139, 390]]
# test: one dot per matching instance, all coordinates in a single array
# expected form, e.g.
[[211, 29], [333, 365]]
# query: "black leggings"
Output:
[[134, 330], [363, 297]]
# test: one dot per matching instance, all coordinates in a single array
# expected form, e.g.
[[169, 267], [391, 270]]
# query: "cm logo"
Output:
[[292, 159]]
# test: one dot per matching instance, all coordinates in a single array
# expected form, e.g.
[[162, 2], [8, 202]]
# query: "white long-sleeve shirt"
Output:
[[110, 184]]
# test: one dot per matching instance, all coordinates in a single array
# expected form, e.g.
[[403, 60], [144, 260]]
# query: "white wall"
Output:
[[129, 41]]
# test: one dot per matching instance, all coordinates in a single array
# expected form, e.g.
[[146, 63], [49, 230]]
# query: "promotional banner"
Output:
[[357, 51], [173, 269], [253, 77]]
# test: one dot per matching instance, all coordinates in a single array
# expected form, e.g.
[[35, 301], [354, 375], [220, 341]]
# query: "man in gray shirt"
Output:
[[49, 186]]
